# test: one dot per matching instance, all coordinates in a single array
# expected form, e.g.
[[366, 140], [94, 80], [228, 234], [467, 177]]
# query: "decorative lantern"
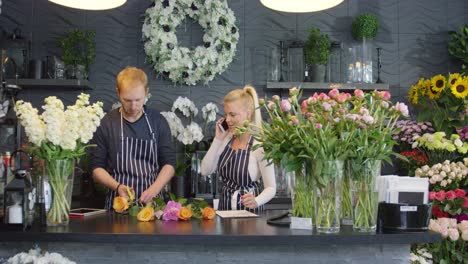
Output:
[[19, 199]]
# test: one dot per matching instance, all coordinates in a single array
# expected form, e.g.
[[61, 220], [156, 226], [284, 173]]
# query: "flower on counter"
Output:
[[171, 212], [146, 214], [208, 213], [445, 176], [175, 209], [441, 100]]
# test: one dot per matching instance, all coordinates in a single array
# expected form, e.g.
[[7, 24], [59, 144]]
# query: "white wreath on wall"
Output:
[[181, 64]]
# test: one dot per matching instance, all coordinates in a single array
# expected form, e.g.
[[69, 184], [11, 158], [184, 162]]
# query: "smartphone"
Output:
[[224, 126]]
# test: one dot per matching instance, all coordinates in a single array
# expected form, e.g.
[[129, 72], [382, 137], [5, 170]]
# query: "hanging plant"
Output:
[[181, 64]]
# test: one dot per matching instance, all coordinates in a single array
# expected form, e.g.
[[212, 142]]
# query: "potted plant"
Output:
[[317, 52], [365, 26], [78, 52], [458, 46]]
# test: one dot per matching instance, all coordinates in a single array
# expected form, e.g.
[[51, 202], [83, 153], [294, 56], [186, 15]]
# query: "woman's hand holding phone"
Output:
[[222, 128]]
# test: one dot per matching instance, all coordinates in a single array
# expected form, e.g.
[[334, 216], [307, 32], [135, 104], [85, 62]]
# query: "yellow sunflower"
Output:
[[438, 83], [453, 78], [432, 93], [414, 94], [460, 88], [421, 87]]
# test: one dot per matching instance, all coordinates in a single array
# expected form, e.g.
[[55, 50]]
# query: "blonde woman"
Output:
[[240, 167]]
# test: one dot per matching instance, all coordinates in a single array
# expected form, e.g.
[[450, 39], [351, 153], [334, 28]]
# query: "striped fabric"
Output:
[[233, 167], [137, 163]]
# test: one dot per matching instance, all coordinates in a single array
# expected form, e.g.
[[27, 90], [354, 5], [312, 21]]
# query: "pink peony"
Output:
[[327, 107], [322, 96], [342, 98], [285, 105], [275, 98], [450, 195], [333, 93], [460, 193], [359, 93], [384, 95], [318, 125], [293, 91], [440, 196], [271, 105], [431, 195], [171, 211], [434, 226], [402, 108]]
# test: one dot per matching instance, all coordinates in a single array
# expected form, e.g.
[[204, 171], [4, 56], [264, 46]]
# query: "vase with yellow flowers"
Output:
[[442, 100]]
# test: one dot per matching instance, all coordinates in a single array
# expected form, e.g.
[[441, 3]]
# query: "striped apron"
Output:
[[233, 167], [137, 163]]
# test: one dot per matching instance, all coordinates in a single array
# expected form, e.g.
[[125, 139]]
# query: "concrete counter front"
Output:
[[112, 238]]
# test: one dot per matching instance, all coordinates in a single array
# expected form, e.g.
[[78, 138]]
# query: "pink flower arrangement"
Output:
[[453, 248], [408, 129], [445, 176], [451, 202]]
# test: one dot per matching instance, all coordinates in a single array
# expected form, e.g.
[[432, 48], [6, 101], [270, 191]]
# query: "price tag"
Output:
[[301, 223], [406, 208]]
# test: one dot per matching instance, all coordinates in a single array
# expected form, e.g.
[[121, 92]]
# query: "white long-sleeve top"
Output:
[[257, 168]]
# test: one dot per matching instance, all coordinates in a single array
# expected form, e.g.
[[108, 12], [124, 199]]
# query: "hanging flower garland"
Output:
[[180, 64]]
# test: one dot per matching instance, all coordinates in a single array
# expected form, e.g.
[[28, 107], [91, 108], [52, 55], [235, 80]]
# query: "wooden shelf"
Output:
[[52, 83], [327, 86]]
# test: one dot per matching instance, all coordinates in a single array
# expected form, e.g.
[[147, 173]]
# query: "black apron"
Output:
[[137, 163], [233, 167]]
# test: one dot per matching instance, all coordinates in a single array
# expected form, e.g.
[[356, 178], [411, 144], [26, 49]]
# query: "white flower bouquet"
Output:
[[59, 137], [187, 135]]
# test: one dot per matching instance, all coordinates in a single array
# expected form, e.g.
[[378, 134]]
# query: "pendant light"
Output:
[[90, 4], [300, 6]]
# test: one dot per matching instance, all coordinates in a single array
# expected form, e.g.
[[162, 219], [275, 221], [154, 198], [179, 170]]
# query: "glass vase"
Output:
[[58, 182], [364, 193], [302, 200], [346, 207], [327, 176]]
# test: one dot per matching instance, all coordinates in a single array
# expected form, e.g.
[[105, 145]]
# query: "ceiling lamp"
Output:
[[90, 4], [300, 6]]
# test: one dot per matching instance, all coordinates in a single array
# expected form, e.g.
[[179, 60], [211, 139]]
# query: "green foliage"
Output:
[[365, 25], [78, 48], [458, 46], [317, 47]]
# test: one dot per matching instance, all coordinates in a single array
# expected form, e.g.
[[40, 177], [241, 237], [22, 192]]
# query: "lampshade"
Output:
[[300, 6], [90, 4]]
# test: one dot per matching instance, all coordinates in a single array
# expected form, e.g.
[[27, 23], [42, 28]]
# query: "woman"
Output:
[[233, 158]]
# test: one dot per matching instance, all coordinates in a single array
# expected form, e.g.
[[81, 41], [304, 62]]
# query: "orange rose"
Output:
[[146, 214], [208, 213], [184, 213], [120, 204]]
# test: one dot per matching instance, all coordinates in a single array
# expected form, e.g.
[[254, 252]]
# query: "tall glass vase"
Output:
[[346, 207], [302, 200], [328, 176], [58, 180], [364, 193]]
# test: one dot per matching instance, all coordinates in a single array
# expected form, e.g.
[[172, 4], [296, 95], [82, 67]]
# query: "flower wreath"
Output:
[[181, 64]]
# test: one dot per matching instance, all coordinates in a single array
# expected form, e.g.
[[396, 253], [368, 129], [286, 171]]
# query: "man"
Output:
[[133, 144]]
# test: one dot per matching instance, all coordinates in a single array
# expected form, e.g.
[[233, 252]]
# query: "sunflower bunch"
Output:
[[441, 100]]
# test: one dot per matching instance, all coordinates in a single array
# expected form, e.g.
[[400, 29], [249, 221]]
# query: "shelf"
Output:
[[327, 86], [53, 83]]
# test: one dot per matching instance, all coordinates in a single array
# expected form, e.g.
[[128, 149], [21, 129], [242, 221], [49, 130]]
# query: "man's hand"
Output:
[[122, 191], [148, 194]]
